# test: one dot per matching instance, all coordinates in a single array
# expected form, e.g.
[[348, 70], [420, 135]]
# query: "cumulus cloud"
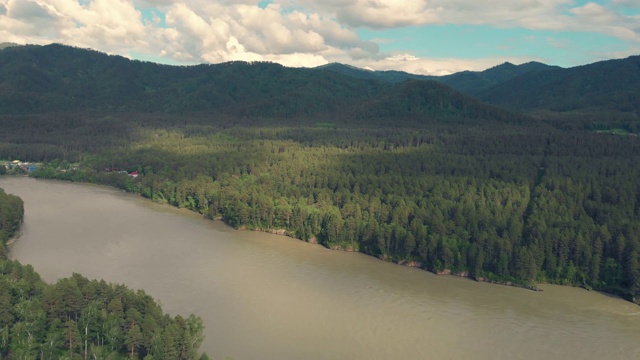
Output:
[[380, 14], [388, 13], [426, 66], [108, 25], [27, 18], [292, 32], [217, 32], [597, 18], [28, 10], [530, 14]]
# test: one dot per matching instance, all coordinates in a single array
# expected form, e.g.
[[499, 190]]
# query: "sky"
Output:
[[434, 37]]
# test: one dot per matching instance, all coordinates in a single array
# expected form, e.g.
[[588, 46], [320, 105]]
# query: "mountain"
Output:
[[391, 76], [40, 79], [600, 88], [468, 82], [476, 82], [612, 85], [7, 44]]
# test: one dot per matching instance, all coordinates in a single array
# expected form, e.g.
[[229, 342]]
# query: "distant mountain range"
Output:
[[58, 78], [612, 85], [7, 44], [468, 82]]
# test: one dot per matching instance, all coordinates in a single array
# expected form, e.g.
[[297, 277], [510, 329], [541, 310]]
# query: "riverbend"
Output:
[[264, 296]]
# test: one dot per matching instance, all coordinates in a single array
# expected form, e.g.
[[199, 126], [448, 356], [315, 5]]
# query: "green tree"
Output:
[[133, 339]]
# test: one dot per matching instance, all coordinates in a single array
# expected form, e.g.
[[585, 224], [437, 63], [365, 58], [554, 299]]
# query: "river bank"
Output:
[[265, 296], [348, 248], [408, 263], [13, 239], [418, 265]]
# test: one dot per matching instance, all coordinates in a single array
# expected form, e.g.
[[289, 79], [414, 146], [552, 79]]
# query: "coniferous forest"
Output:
[[77, 318], [411, 172]]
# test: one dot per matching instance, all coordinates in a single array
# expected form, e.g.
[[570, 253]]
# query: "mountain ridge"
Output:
[[603, 86], [56, 77], [612, 85], [38, 79]]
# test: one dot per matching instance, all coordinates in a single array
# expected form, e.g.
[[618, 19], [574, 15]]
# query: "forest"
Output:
[[78, 318], [520, 203], [11, 215], [411, 172]]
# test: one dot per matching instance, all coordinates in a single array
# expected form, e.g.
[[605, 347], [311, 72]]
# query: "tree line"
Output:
[[78, 318], [11, 216]]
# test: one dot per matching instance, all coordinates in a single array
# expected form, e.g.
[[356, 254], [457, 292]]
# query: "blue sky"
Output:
[[419, 36], [563, 48]]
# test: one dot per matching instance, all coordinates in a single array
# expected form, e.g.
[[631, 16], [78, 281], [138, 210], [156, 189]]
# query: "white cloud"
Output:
[[627, 3], [215, 33], [561, 15], [27, 18], [425, 66], [597, 18], [388, 13], [109, 25], [292, 32], [28, 10], [378, 14], [267, 31]]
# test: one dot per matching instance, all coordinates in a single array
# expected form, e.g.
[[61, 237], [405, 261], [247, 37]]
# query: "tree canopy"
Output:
[[78, 318]]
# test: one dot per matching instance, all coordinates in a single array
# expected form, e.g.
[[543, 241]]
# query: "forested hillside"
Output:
[[477, 82], [411, 172], [40, 79], [612, 85], [467, 82], [607, 88], [77, 318], [57, 78]]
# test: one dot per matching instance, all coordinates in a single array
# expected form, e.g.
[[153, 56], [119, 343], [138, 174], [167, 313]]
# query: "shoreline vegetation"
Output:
[[464, 274], [415, 264], [313, 240], [407, 263], [78, 318], [13, 239], [499, 221]]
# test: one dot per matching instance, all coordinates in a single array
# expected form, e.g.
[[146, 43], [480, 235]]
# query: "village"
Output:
[[23, 167], [19, 166]]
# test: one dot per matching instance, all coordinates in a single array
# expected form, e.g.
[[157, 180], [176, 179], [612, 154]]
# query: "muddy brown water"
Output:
[[265, 296]]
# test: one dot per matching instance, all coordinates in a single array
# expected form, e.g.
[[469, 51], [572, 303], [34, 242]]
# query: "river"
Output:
[[265, 296]]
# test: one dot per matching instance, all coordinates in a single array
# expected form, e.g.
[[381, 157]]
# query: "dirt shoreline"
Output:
[[415, 264], [14, 238]]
